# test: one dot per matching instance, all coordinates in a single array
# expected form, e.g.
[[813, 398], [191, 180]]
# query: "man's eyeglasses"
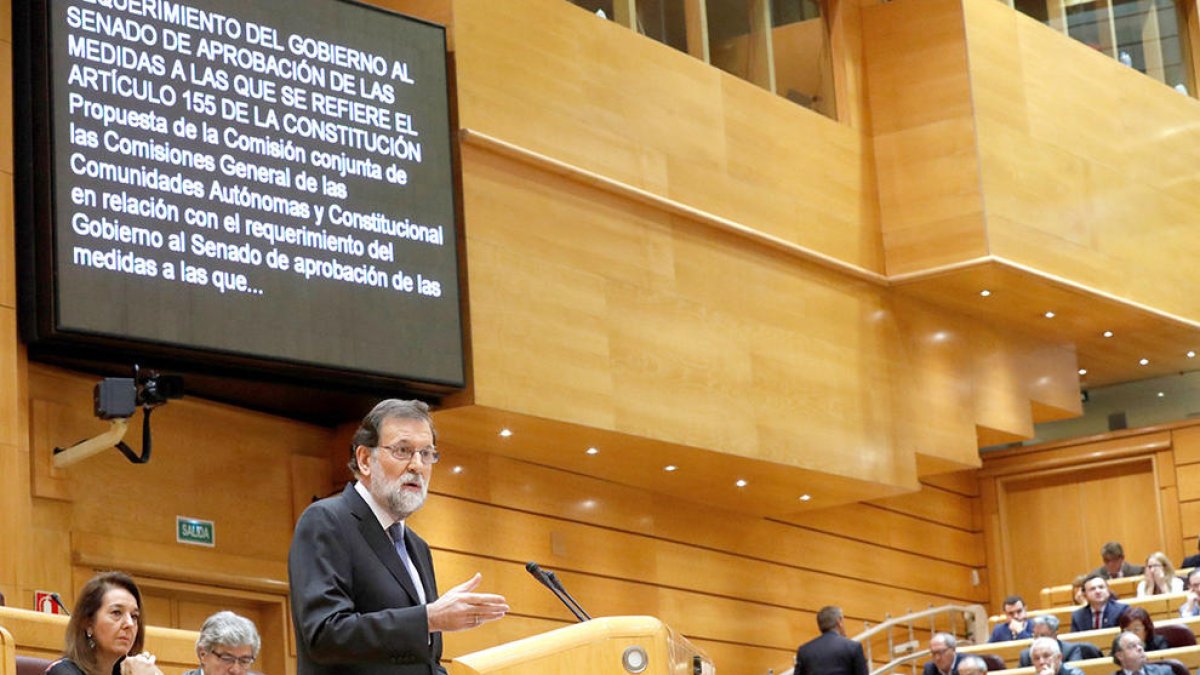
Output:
[[230, 659], [402, 453]]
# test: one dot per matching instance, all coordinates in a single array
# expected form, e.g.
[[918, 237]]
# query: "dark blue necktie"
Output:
[[396, 532]]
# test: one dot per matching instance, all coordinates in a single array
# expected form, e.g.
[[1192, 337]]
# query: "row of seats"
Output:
[[1124, 587], [1179, 633], [1157, 606]]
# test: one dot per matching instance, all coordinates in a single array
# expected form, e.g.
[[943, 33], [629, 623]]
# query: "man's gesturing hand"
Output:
[[460, 609]]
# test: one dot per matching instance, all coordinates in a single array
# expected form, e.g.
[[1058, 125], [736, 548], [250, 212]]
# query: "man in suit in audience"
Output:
[[1130, 654], [1046, 626], [972, 665], [943, 647], [1191, 606], [832, 653], [1114, 566], [1101, 611], [363, 594], [1016, 628], [1192, 560], [1047, 660]]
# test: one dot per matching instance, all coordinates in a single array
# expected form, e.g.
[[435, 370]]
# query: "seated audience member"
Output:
[[228, 643], [106, 631], [1046, 626], [1137, 621], [1077, 590], [1160, 576], [1114, 566], [943, 647], [1017, 628], [1130, 654], [1101, 610], [972, 665], [1047, 660], [1192, 560], [1191, 606]]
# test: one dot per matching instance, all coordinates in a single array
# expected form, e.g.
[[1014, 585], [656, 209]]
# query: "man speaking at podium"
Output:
[[364, 597]]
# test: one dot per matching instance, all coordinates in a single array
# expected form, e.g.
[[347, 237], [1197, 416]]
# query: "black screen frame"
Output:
[[38, 288]]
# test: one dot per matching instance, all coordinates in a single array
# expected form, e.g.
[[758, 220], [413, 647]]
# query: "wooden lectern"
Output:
[[614, 644]]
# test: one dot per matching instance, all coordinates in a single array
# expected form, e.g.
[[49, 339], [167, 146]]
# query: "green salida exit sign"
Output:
[[195, 531]]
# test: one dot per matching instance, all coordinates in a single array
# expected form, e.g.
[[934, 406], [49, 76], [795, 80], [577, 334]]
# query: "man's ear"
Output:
[[362, 457]]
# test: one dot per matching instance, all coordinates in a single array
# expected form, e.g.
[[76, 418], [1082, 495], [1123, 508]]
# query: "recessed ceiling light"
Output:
[[1144, 362], [505, 433], [670, 467], [1083, 371], [592, 451], [1191, 355], [1162, 394], [985, 292], [1107, 333], [741, 482], [805, 498], [1049, 315], [457, 469]]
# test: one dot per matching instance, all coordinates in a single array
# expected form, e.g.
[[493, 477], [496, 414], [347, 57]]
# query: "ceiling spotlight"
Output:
[[1083, 371], [457, 469], [505, 433], [805, 497], [1191, 354], [1049, 315], [670, 467], [985, 293], [1144, 362], [592, 451], [741, 482], [1107, 333], [1162, 394]]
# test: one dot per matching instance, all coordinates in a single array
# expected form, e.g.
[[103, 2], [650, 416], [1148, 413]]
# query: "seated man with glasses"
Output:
[[228, 643]]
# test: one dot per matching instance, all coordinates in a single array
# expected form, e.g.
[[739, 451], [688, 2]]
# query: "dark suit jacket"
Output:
[[931, 669], [1190, 561], [1152, 668], [1002, 633], [354, 606], [1081, 619], [1127, 570], [830, 654], [1071, 651]]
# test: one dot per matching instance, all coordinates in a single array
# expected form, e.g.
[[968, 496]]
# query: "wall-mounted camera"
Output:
[[116, 399]]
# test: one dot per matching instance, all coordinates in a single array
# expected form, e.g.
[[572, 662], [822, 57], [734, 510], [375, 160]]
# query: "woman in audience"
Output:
[[1160, 577], [105, 628], [228, 645], [1137, 621]]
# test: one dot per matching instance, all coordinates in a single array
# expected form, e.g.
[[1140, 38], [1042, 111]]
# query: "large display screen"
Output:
[[266, 180]]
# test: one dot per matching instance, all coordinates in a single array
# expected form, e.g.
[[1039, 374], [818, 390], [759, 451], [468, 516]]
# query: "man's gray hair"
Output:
[[947, 639], [828, 617], [1121, 641], [1047, 643], [392, 408], [971, 662], [226, 629], [1048, 620]]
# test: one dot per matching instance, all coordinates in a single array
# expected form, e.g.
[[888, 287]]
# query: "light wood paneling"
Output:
[[1186, 444], [1062, 183], [642, 113], [8, 271]]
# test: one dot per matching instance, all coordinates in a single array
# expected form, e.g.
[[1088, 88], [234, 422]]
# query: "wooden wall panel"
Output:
[[641, 113], [924, 134], [1074, 147]]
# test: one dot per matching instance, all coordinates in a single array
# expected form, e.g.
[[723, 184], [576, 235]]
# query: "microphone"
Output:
[[58, 601], [558, 584], [544, 579]]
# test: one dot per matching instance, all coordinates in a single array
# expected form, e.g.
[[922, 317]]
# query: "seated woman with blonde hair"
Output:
[[1160, 576], [106, 627]]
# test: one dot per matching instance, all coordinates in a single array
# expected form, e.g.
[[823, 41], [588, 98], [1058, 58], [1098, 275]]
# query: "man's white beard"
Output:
[[391, 495]]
